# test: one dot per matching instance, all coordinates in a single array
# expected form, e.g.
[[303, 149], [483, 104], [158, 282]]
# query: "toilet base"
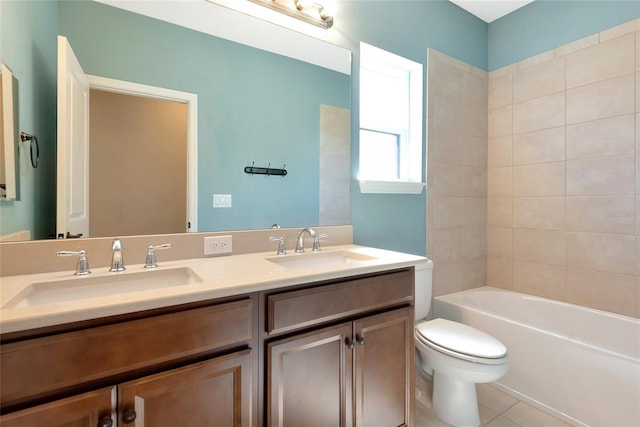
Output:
[[455, 401]]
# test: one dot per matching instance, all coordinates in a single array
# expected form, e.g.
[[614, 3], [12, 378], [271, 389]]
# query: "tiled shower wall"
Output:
[[564, 173], [456, 173]]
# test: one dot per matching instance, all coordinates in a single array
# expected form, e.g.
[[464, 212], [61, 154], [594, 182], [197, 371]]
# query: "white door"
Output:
[[72, 211]]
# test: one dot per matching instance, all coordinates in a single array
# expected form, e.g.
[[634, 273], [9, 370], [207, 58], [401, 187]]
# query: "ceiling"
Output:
[[490, 10]]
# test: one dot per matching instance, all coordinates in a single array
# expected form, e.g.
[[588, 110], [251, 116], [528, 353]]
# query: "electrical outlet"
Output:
[[217, 245]]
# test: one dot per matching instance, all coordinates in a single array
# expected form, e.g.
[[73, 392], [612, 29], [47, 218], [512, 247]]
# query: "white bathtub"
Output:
[[580, 364]]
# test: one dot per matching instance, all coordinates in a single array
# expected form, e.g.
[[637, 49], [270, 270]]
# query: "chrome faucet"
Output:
[[82, 266], [117, 259], [300, 242]]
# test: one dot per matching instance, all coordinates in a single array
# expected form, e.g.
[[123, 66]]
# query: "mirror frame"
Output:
[[9, 141]]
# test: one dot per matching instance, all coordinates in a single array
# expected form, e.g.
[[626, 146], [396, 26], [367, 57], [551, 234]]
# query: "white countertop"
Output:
[[217, 277]]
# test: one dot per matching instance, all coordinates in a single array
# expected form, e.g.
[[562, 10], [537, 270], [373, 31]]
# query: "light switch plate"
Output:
[[222, 200], [218, 245]]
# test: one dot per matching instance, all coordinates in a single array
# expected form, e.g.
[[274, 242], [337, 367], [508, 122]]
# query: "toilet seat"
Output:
[[461, 341]]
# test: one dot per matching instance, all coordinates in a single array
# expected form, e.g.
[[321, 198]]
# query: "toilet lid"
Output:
[[461, 338]]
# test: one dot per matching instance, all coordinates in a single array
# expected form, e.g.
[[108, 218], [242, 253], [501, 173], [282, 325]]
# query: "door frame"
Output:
[[191, 99]]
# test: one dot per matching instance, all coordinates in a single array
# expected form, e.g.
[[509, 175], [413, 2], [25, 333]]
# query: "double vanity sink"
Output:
[[38, 300], [273, 337]]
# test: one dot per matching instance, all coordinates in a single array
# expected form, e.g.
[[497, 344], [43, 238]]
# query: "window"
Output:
[[390, 122]]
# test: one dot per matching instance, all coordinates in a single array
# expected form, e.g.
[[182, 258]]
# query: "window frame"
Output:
[[411, 134]]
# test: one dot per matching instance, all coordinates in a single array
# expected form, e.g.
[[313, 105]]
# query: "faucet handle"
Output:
[[282, 249], [151, 255], [82, 266], [316, 241]]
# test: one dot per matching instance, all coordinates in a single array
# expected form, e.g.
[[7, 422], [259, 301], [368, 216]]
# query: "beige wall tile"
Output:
[[602, 61], [500, 121], [447, 180], [620, 30], [474, 121], [607, 98], [601, 214], [447, 147], [500, 242], [474, 151], [576, 45], [499, 212], [598, 138], [447, 277], [475, 181], [604, 175], [475, 242], [475, 211], [499, 152], [447, 114], [447, 212], [500, 272], [447, 81], [503, 71], [447, 245], [539, 147], [539, 113], [476, 88], [637, 50], [535, 60], [637, 296], [604, 291], [499, 182], [546, 247], [501, 91], [544, 179], [544, 280], [539, 80], [613, 253], [474, 273], [540, 213]]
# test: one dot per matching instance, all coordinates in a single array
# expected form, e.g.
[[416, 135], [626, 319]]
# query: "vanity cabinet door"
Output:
[[384, 360], [96, 408], [310, 379], [214, 393]]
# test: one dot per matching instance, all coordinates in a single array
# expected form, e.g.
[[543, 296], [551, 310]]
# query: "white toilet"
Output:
[[457, 355]]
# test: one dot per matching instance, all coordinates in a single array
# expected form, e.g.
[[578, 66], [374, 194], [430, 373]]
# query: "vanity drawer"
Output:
[[39, 367], [291, 310]]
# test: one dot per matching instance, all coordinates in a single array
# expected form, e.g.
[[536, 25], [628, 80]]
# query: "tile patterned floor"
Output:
[[497, 409]]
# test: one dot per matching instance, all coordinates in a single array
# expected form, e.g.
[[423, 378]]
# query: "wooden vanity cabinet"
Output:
[[356, 372], [95, 408], [190, 367]]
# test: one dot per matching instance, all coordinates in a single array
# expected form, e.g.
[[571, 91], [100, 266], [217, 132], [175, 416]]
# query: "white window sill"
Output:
[[391, 187]]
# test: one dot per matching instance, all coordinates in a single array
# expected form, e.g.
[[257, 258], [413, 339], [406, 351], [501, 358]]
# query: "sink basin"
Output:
[[320, 259], [76, 288]]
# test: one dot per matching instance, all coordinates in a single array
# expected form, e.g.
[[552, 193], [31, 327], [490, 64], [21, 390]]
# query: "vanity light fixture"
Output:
[[308, 11]]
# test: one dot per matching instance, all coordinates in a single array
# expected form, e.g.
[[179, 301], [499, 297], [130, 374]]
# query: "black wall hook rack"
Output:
[[253, 170]]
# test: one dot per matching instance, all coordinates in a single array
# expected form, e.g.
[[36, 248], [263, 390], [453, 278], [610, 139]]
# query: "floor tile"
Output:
[[527, 416], [494, 399], [426, 419], [501, 421]]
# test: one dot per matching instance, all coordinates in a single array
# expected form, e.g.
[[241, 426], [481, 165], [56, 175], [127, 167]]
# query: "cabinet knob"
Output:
[[129, 416], [105, 422], [350, 343], [360, 340]]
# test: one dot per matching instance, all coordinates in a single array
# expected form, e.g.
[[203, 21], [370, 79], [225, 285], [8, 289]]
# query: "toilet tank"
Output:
[[423, 285]]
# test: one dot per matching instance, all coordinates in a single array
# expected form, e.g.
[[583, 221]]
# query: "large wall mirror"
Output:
[[8, 135], [254, 107]]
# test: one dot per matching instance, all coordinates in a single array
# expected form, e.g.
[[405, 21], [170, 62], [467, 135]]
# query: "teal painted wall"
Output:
[[407, 28], [28, 33], [546, 24], [244, 114]]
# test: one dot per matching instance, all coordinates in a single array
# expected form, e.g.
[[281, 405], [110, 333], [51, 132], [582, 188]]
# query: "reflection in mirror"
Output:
[[253, 107], [8, 135]]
